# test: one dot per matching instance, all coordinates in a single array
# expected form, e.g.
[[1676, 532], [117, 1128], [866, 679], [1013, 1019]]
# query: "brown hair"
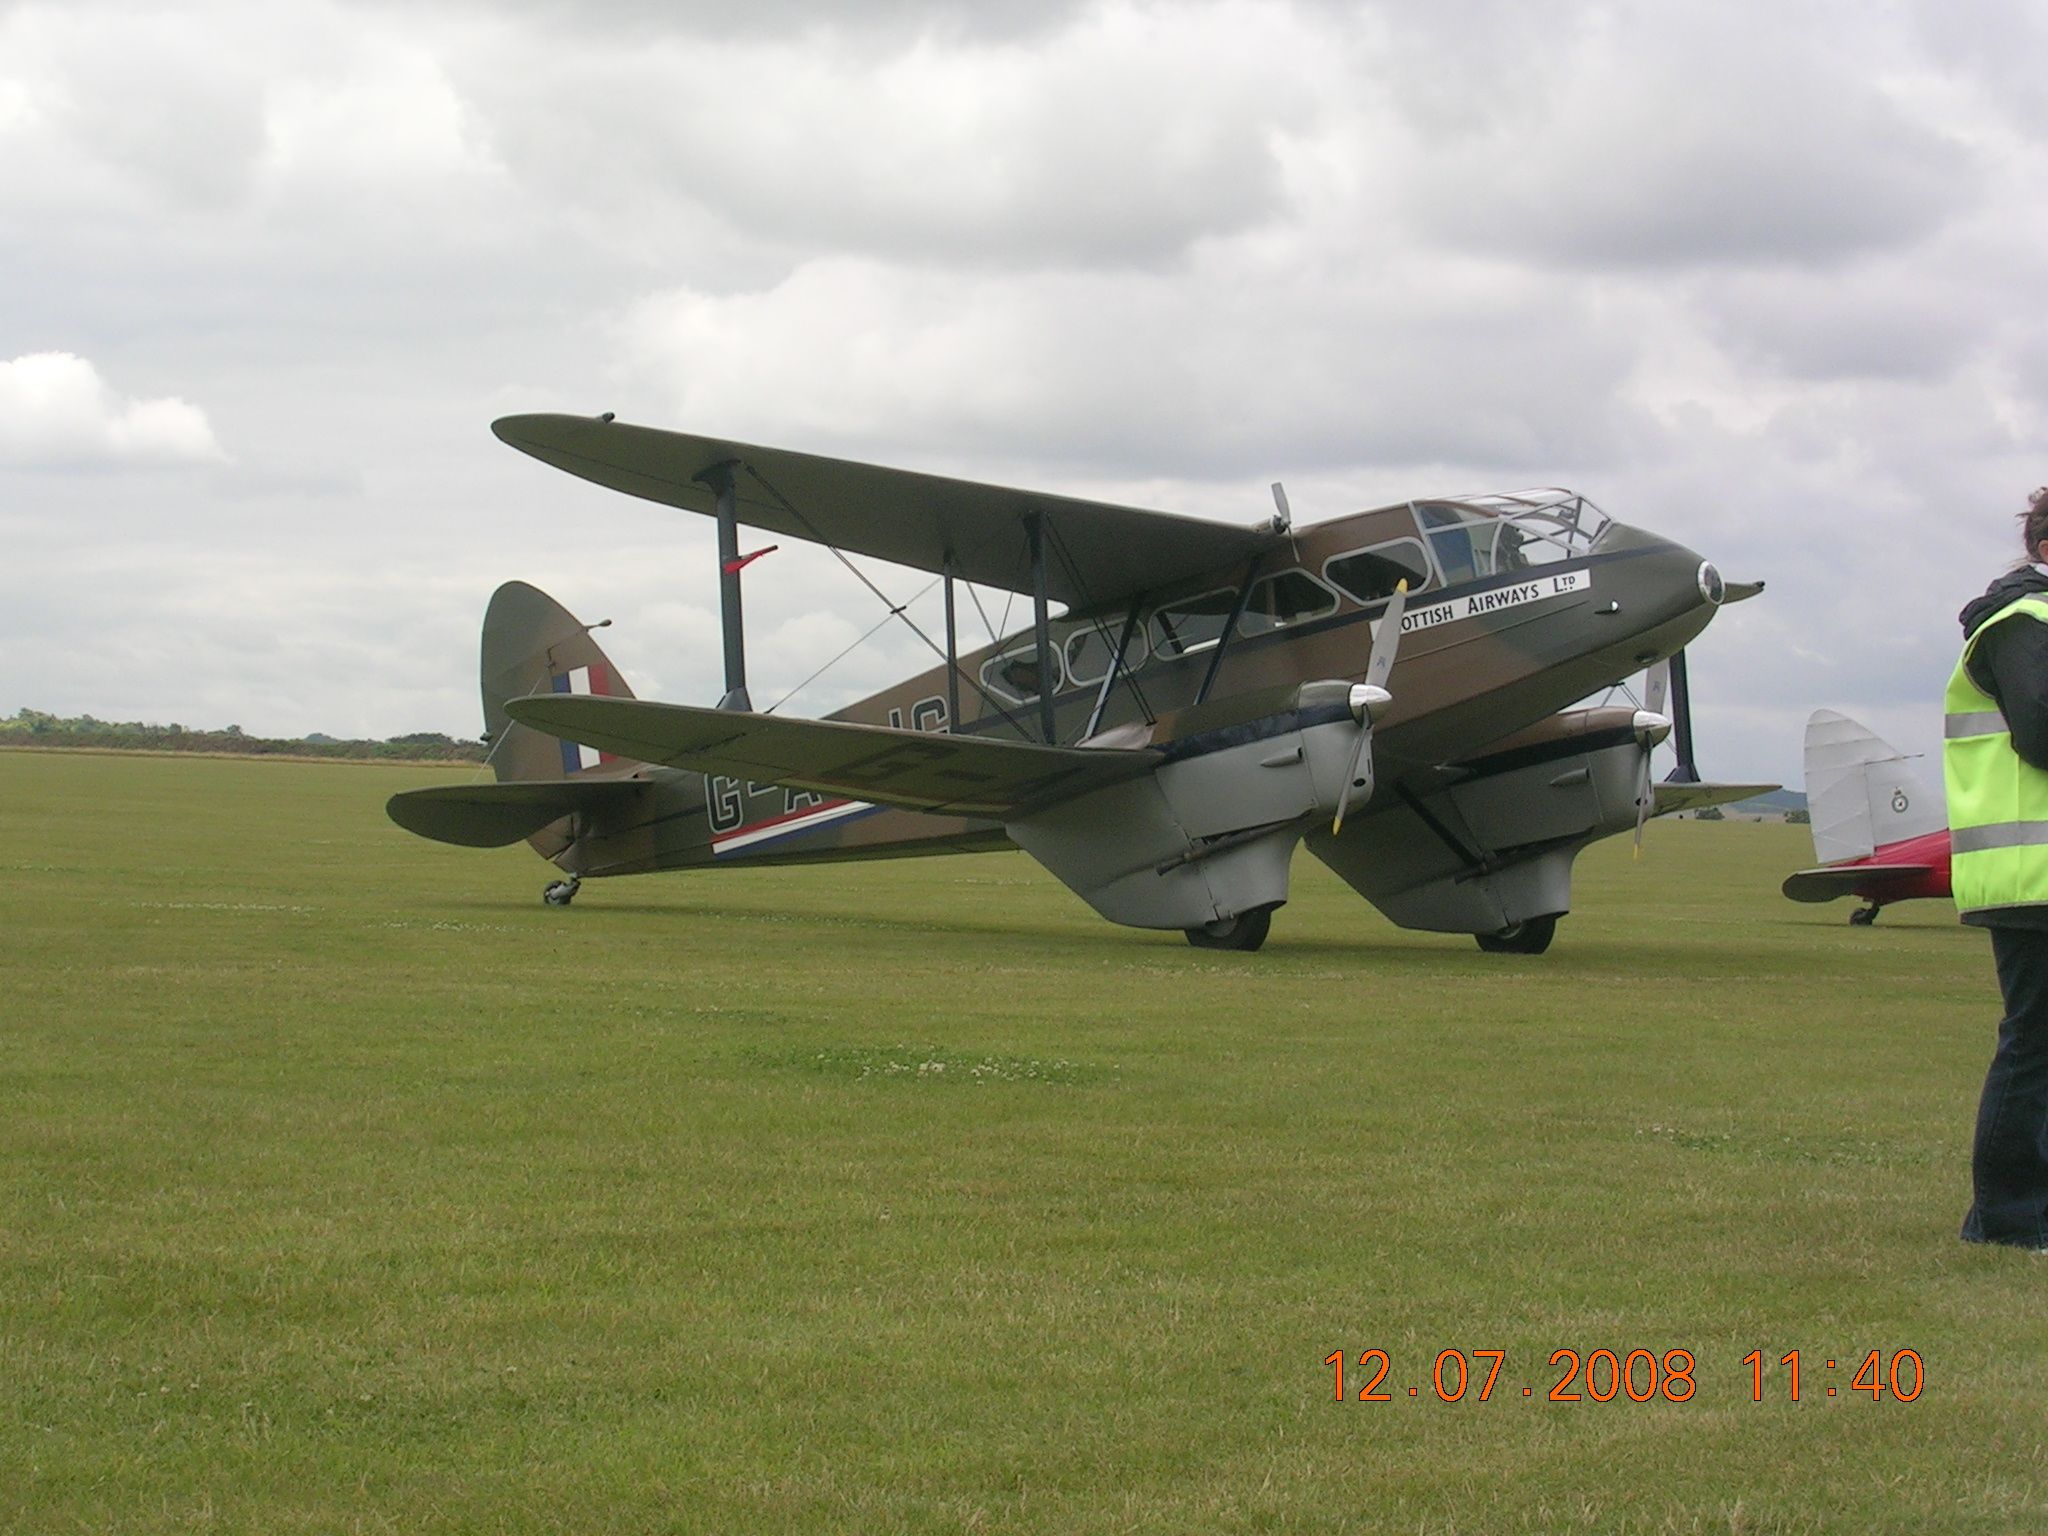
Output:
[[2034, 522]]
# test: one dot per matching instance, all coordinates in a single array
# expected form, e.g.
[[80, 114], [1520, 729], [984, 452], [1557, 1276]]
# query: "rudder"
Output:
[[1860, 791], [532, 644]]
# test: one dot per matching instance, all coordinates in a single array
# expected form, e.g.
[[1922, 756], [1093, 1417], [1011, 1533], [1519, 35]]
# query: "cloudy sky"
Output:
[[1767, 278]]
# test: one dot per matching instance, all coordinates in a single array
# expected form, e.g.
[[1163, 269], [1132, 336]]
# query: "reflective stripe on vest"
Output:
[[1997, 801], [1973, 722], [2000, 834]]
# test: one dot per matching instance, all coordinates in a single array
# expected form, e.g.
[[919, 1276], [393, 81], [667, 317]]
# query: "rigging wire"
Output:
[[1101, 628], [857, 644], [895, 609]]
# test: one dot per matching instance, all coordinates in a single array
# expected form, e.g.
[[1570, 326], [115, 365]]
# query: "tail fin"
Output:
[[532, 644], [1860, 792]]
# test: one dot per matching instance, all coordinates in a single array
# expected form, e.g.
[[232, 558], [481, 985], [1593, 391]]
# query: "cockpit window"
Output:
[[1479, 536], [1369, 576], [1287, 597]]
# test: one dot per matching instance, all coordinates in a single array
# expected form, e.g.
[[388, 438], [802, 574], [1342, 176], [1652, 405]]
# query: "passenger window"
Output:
[[1089, 652], [1283, 599], [1370, 575], [1018, 676], [1191, 624]]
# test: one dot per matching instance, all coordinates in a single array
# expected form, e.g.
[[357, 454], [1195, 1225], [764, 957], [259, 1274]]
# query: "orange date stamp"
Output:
[[1636, 1376]]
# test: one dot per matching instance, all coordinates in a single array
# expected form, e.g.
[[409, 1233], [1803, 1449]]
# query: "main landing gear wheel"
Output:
[[1247, 930], [560, 893], [1863, 917], [1525, 938]]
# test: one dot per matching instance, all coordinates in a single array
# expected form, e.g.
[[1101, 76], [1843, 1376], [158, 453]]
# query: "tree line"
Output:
[[35, 728]]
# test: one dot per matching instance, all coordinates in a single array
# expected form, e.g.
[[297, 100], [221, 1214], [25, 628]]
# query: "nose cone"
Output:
[[1665, 593]]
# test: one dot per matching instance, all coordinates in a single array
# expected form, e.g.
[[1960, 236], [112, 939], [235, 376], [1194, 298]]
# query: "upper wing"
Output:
[[1691, 797], [1846, 880], [918, 770], [1096, 553]]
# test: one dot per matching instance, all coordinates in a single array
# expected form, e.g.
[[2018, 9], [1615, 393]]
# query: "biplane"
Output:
[[1879, 833], [1398, 690]]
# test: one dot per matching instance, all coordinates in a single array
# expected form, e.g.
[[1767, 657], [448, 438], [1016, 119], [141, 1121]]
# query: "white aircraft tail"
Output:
[[1861, 792]]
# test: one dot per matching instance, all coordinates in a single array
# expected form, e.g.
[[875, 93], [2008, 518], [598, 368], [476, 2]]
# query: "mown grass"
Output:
[[344, 1187]]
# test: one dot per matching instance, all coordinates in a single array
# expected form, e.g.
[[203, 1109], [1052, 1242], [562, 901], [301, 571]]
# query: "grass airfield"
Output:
[[344, 1187]]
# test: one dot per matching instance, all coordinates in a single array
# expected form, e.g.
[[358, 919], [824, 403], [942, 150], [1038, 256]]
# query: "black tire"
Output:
[[1525, 938], [1246, 931], [559, 893], [1863, 917]]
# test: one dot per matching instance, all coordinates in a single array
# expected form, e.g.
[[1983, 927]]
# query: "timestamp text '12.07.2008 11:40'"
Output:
[[1636, 1375]]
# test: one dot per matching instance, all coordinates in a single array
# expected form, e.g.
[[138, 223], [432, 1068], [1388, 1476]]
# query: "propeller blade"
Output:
[[1652, 727], [1358, 777], [1656, 691], [1386, 638], [1369, 701], [1646, 796], [1657, 686]]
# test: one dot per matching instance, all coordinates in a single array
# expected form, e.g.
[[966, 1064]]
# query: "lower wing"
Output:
[[1692, 797], [916, 770]]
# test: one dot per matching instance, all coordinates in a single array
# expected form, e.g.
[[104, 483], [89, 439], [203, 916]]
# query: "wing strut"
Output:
[[720, 478], [1687, 771], [1041, 631], [952, 654], [1244, 597], [1116, 665]]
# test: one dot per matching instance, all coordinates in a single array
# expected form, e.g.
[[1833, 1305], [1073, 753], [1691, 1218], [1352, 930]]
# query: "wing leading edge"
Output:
[[1100, 553], [917, 770]]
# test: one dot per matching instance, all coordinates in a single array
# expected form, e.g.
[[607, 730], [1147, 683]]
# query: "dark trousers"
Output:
[[2009, 1160]]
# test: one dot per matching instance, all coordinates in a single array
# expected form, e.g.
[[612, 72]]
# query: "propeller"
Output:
[[1369, 700], [1652, 726]]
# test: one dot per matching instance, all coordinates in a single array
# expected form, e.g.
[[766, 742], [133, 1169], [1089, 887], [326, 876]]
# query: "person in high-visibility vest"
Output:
[[1995, 764]]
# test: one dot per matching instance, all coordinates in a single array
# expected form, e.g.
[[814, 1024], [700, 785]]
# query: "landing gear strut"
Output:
[[1247, 931], [1525, 938], [1863, 917], [560, 893]]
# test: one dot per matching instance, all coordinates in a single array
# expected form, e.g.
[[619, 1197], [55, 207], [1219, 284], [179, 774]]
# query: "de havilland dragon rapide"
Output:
[[1398, 689]]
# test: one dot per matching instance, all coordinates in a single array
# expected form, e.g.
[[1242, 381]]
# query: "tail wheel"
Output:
[[1247, 931], [1526, 938], [560, 893]]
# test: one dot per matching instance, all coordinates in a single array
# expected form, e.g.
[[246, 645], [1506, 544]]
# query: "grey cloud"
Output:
[[1115, 373], [638, 21], [1875, 322], [1090, 147], [1673, 141]]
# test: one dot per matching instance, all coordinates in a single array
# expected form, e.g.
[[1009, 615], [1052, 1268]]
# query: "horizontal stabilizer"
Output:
[[1693, 797], [917, 770], [492, 815], [1847, 880]]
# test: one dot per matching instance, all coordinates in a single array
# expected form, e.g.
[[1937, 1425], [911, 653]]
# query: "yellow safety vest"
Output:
[[1997, 801]]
